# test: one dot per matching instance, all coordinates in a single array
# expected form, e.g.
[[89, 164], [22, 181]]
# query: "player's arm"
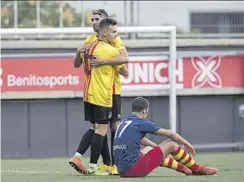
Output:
[[121, 69], [124, 71], [77, 60], [177, 138], [120, 59], [146, 142], [173, 136], [149, 127], [79, 55]]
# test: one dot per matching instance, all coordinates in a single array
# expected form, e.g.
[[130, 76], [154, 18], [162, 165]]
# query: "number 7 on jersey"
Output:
[[124, 125]]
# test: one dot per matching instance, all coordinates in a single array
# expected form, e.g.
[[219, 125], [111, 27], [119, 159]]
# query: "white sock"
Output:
[[77, 154], [92, 165]]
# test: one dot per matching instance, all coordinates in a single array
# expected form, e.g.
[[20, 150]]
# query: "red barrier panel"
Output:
[[58, 74]]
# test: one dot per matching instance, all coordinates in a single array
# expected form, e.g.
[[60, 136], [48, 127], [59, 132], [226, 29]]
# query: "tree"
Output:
[[7, 18], [71, 18], [26, 14]]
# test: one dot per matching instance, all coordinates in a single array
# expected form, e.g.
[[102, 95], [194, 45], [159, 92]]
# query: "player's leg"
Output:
[[170, 147], [76, 160], [115, 120], [171, 163], [154, 157], [113, 127], [101, 126], [105, 153]]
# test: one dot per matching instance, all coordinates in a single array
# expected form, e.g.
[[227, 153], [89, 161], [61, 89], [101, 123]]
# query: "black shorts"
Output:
[[116, 109], [96, 114]]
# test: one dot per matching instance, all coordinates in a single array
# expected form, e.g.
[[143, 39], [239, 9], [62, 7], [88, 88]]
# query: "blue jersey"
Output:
[[127, 141]]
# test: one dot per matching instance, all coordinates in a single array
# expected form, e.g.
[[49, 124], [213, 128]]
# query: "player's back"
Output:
[[127, 143], [99, 80], [91, 39], [117, 42]]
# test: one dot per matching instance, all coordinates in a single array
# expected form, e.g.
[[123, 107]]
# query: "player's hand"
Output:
[[83, 48], [96, 62], [190, 149]]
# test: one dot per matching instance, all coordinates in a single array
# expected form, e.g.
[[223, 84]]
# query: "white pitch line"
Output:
[[29, 172]]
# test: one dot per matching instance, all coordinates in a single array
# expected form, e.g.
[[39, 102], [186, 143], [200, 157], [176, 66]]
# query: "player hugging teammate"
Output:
[[103, 56]]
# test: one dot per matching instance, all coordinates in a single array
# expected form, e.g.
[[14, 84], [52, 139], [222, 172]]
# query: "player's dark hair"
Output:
[[106, 22], [100, 12], [139, 104]]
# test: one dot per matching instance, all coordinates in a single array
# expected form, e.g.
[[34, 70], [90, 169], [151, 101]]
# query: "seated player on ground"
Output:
[[131, 162]]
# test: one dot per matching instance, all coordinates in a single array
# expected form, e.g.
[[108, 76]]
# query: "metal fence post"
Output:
[[16, 14], [61, 14], [38, 21]]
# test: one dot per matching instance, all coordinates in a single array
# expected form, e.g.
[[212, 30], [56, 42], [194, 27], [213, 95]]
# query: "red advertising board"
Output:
[[214, 71], [57, 74], [40, 74]]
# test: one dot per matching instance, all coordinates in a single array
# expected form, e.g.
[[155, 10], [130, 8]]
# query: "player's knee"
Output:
[[168, 144], [101, 129], [168, 141], [172, 145]]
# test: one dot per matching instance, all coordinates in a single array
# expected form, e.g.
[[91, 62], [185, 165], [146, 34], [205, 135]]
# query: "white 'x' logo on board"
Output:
[[206, 72]]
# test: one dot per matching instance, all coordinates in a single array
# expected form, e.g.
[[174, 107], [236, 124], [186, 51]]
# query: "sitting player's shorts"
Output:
[[96, 114], [145, 164], [116, 109]]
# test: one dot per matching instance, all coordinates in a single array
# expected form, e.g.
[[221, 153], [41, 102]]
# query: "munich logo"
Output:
[[206, 72], [1, 81]]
